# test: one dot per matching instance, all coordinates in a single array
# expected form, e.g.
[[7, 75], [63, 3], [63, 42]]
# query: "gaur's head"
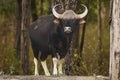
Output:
[[68, 20]]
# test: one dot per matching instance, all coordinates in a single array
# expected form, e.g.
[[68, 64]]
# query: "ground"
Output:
[[41, 77]]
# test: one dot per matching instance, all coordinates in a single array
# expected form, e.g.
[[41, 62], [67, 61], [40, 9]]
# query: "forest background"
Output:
[[94, 61]]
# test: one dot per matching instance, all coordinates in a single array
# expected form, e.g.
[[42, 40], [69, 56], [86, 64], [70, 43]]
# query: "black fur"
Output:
[[49, 38]]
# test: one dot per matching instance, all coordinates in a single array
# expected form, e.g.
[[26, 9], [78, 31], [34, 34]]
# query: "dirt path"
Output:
[[8, 77]]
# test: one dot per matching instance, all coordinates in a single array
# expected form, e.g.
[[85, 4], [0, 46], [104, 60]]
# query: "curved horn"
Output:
[[57, 15], [84, 13]]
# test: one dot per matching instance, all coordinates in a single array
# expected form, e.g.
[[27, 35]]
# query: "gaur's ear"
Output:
[[56, 21], [82, 21]]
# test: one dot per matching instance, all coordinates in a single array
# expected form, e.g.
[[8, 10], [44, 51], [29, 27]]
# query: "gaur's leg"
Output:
[[36, 52], [55, 62], [60, 65], [44, 65]]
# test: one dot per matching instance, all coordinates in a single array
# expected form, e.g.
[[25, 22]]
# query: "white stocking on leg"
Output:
[[36, 66], [60, 65], [55, 61], [45, 68]]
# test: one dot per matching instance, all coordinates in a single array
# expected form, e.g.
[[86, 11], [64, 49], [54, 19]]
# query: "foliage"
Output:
[[88, 63], [7, 7]]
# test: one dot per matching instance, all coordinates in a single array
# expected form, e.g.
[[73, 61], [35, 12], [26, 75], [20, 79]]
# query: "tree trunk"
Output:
[[83, 32], [18, 26], [25, 35], [34, 10], [41, 7], [114, 71], [99, 26], [99, 35]]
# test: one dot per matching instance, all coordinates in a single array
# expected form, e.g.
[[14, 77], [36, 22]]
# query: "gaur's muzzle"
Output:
[[67, 29]]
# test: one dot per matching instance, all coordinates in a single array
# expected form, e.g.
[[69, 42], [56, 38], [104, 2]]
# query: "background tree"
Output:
[[18, 26], [115, 41], [34, 10], [25, 35], [22, 34], [99, 34], [41, 7]]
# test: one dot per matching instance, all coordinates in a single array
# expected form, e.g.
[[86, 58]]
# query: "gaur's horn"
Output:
[[57, 15], [82, 15]]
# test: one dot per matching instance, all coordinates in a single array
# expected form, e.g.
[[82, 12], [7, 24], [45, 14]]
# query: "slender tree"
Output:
[[114, 70], [99, 35], [25, 35], [83, 33], [41, 7], [22, 37], [34, 10], [18, 26]]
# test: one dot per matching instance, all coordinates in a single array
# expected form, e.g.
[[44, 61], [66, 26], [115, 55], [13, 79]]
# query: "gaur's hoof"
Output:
[[47, 75]]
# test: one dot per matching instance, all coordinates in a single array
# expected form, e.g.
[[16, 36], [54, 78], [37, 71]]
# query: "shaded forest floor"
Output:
[[41, 77]]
